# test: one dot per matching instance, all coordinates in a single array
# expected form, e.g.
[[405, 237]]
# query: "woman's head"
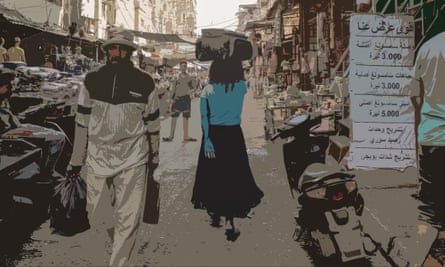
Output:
[[228, 71]]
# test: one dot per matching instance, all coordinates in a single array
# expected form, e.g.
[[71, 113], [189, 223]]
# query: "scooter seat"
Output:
[[317, 173]]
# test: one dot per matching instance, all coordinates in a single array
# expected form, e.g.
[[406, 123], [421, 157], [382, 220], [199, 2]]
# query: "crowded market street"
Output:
[[222, 133], [183, 236]]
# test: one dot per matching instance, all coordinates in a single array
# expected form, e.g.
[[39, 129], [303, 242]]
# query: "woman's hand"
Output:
[[209, 150]]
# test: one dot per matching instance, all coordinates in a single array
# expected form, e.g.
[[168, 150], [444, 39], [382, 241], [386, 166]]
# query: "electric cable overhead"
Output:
[[25, 7], [218, 23]]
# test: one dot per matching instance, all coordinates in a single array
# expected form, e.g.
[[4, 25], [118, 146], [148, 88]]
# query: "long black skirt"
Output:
[[224, 185]]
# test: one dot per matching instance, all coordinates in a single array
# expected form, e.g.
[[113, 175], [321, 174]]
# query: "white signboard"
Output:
[[381, 56], [379, 80], [384, 135], [382, 50], [382, 40], [380, 108], [371, 25], [364, 158]]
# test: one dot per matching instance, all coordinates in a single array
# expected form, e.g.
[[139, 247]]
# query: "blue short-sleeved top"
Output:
[[430, 70], [225, 107]]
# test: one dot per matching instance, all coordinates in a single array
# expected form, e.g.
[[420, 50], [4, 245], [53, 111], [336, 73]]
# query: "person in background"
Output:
[[47, 63], [80, 59], [363, 5], [3, 51], [6, 78], [181, 102], [224, 184], [246, 68], [68, 51], [428, 98], [117, 140], [163, 86], [16, 53]]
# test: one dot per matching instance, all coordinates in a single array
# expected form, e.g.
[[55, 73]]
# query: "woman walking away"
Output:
[[224, 184]]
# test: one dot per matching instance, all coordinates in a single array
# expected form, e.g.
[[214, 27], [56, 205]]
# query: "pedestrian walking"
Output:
[[181, 102], [16, 53], [224, 183], [117, 140], [3, 51], [428, 98]]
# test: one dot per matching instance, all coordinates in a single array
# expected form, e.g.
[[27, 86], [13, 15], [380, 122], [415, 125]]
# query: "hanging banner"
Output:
[[381, 59]]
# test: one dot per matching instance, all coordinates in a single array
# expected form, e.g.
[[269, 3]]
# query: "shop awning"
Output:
[[12, 16]]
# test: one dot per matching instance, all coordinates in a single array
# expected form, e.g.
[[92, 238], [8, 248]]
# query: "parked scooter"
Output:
[[331, 205], [302, 147]]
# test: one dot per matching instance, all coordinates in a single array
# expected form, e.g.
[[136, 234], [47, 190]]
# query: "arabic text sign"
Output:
[[381, 53], [376, 25], [382, 40], [377, 43], [384, 135], [362, 158], [381, 50], [382, 80], [375, 108]]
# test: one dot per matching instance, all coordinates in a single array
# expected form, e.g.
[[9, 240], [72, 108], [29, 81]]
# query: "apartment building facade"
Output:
[[96, 17]]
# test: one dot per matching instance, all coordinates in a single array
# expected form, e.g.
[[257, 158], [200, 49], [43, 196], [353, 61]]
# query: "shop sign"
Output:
[[384, 135], [381, 108], [381, 59], [364, 158], [380, 80]]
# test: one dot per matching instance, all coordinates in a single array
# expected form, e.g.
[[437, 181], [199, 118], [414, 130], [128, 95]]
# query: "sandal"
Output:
[[167, 139], [232, 234], [215, 221], [190, 139]]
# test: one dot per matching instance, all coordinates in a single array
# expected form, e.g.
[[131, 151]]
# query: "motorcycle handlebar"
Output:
[[327, 115], [286, 128], [275, 136]]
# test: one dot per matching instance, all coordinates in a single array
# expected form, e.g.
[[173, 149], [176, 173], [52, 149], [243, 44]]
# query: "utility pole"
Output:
[[136, 15], [96, 27], [96, 19], [331, 25]]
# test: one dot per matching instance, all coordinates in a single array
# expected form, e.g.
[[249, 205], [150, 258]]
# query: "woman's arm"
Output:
[[209, 150]]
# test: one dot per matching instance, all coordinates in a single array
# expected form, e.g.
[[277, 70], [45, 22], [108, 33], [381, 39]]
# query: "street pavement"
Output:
[[184, 236]]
